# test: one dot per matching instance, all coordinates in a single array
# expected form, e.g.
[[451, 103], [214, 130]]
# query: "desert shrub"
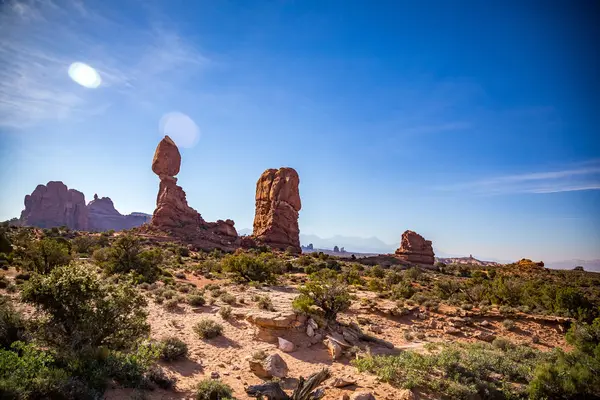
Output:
[[12, 326], [403, 290], [446, 288], [83, 310], [84, 244], [209, 389], [508, 324], [303, 305], [208, 328], [393, 278], [375, 285], [179, 275], [42, 256], [326, 291], [227, 298], [377, 272], [413, 273], [304, 260], [264, 303], [158, 376], [225, 312], [169, 294], [196, 300], [248, 267], [571, 375], [172, 304], [28, 373], [353, 277], [502, 343], [5, 245], [126, 255], [173, 348], [458, 370]]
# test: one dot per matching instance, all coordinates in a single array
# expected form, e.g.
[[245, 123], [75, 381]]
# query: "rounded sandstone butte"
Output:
[[167, 159], [277, 207], [414, 248], [55, 205]]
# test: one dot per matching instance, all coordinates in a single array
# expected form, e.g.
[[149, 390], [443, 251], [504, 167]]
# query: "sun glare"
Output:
[[84, 75], [180, 127]]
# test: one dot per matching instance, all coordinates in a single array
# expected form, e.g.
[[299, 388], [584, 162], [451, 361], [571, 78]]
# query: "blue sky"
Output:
[[474, 124]]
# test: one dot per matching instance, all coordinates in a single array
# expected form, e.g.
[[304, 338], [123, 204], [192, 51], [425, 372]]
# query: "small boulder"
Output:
[[362, 396], [285, 345], [310, 331], [485, 336], [407, 394], [375, 328], [271, 366], [335, 350], [343, 381]]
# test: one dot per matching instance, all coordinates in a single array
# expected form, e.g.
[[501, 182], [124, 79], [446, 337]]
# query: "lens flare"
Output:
[[181, 128], [84, 75]]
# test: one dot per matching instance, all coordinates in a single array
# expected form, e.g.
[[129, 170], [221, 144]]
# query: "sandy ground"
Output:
[[227, 355]]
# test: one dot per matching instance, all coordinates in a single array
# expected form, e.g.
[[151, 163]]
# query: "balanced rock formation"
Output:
[[103, 216], [174, 215], [415, 249], [55, 205], [277, 207]]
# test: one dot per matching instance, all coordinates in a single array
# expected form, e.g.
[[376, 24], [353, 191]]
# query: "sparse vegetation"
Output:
[[459, 370], [246, 267], [208, 328], [325, 290], [89, 326], [173, 348], [225, 312], [209, 389]]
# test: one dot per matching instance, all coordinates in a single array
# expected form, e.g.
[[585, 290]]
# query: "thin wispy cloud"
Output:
[[39, 39], [580, 178]]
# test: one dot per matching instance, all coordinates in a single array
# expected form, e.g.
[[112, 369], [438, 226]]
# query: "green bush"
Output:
[[126, 255], [403, 290], [172, 304], [84, 310], [377, 272], [84, 244], [265, 303], [173, 348], [459, 370], [325, 290], [225, 312], [508, 324], [227, 298], [44, 255], [209, 389], [248, 267], [12, 326], [208, 328], [196, 300], [29, 373]]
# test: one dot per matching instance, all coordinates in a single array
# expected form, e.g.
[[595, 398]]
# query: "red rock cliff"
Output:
[[277, 207], [414, 248], [55, 205]]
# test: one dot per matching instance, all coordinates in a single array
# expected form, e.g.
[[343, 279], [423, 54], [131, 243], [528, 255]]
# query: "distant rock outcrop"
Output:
[[103, 216], [277, 207], [174, 215], [55, 205], [415, 249]]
